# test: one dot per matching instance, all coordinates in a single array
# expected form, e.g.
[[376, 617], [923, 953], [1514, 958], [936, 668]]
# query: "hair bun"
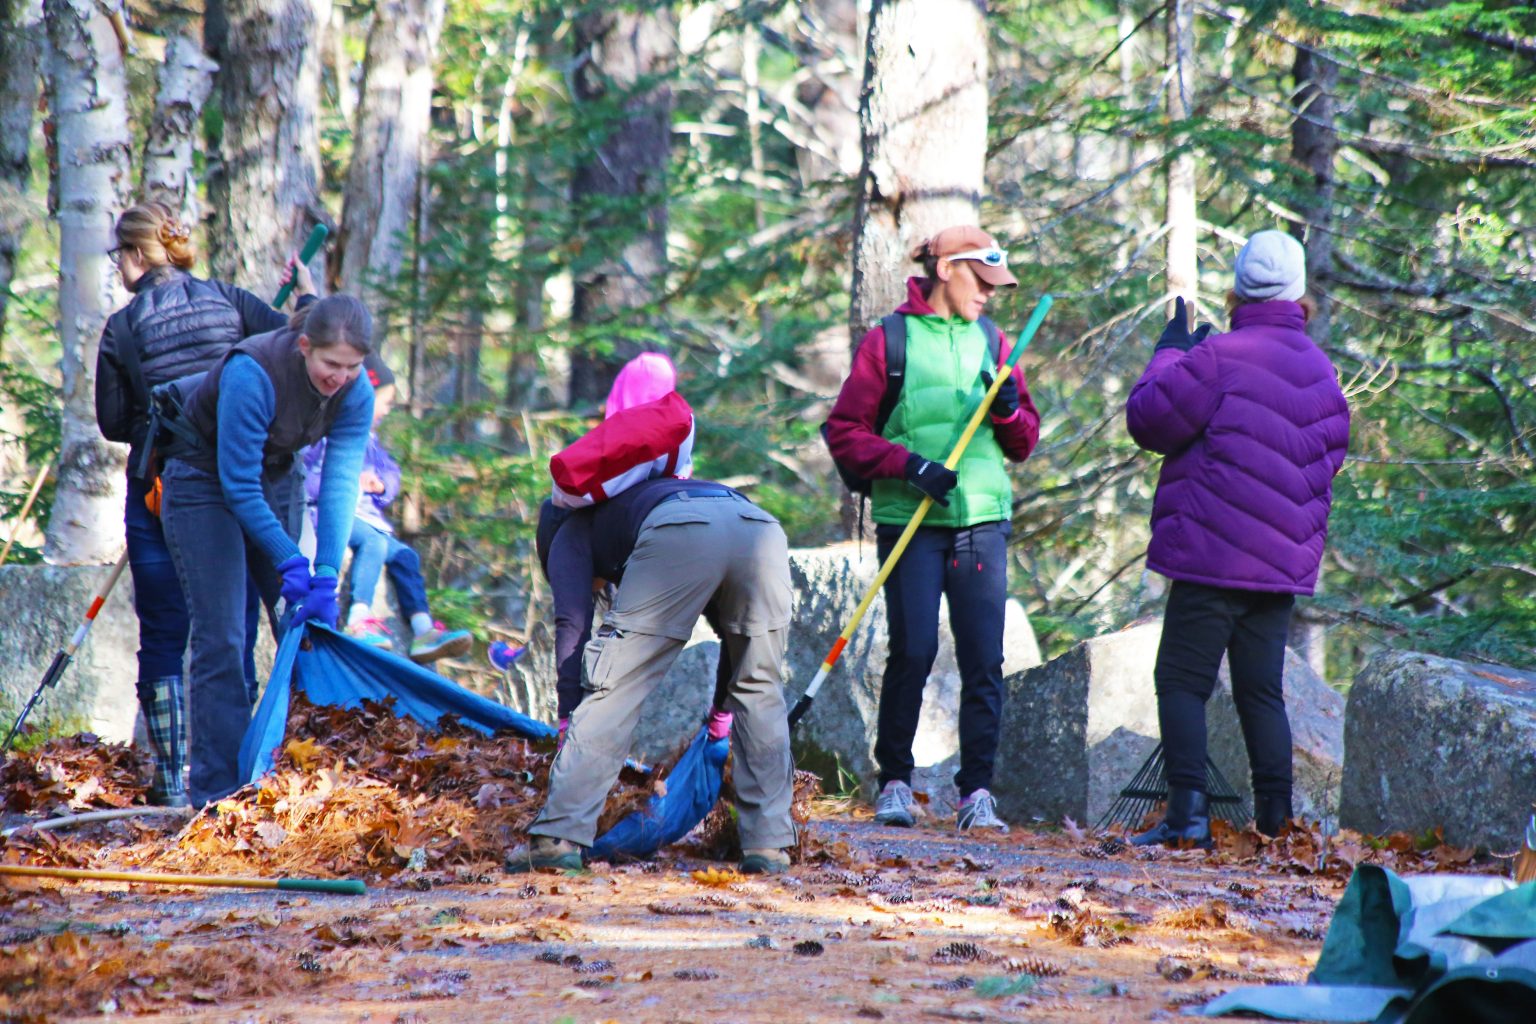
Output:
[[173, 231]]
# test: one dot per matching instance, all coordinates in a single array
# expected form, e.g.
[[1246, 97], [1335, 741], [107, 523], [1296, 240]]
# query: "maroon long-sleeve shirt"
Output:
[[851, 432]]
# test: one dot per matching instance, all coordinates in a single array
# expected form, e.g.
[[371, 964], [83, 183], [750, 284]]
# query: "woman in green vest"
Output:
[[960, 552]]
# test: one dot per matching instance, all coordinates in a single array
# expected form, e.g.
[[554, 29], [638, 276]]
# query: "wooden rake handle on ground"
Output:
[[1003, 373], [339, 886]]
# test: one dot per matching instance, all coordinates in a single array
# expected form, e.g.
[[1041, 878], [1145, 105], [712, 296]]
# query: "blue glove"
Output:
[[1006, 402], [1177, 334], [932, 478], [295, 573], [320, 603]]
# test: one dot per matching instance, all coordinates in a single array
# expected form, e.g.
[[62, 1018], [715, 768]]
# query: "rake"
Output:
[[1149, 787]]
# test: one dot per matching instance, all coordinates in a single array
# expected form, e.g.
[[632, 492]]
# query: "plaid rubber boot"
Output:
[[165, 717]]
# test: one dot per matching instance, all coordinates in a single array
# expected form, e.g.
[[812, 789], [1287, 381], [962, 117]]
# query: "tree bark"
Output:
[[393, 118], [186, 79], [1180, 213], [21, 38], [265, 190], [620, 192], [1314, 141], [88, 104], [923, 126]]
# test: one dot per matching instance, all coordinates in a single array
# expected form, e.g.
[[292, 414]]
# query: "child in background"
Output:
[[376, 548]]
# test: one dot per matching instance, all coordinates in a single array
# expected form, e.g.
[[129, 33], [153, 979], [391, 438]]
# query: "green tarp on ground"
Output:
[[1437, 949]]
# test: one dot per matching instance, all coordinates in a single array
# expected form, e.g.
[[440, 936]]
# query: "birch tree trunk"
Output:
[[21, 47], [620, 192], [392, 123], [88, 105], [186, 79], [265, 192], [923, 126], [1180, 214], [1314, 141]]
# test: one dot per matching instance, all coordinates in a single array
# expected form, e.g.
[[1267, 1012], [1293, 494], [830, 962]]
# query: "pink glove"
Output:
[[560, 727], [719, 724]]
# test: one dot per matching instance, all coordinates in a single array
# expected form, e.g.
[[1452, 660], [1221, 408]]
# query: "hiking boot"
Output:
[[1271, 811], [979, 810], [546, 853], [503, 655], [372, 632], [764, 862], [438, 642], [1188, 820], [894, 805]]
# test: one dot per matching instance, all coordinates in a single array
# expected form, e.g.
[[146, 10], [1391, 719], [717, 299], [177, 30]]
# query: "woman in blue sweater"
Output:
[[233, 508], [175, 325]]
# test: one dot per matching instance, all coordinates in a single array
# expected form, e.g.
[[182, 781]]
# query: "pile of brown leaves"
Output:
[[364, 791], [77, 773]]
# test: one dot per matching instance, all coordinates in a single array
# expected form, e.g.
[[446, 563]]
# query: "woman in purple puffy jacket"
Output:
[[1254, 427]]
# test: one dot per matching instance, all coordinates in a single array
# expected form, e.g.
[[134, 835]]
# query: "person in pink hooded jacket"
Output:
[[647, 378]]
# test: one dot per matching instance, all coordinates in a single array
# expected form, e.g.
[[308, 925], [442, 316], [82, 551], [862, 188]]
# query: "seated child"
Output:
[[375, 547]]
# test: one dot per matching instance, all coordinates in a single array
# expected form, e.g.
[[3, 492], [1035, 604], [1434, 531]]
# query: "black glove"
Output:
[[1177, 334], [1006, 402], [931, 478]]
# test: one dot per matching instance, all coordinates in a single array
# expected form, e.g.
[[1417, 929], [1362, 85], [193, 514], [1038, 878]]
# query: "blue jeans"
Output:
[[372, 551], [157, 597], [217, 564], [970, 567]]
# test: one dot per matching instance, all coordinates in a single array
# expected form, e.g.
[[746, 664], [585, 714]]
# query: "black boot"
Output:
[[1188, 820], [1270, 812]]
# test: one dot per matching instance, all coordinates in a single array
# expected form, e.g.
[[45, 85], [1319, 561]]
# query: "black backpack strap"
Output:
[[894, 327], [994, 342]]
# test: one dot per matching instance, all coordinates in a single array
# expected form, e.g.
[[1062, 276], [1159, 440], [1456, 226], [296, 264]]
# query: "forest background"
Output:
[[528, 193]]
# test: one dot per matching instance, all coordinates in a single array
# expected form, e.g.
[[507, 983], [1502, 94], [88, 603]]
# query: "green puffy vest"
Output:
[[942, 389]]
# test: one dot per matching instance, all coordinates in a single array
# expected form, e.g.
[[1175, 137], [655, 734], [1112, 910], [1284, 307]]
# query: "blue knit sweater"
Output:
[[247, 404]]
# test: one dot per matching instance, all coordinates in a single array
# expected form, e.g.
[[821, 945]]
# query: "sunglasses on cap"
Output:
[[991, 257]]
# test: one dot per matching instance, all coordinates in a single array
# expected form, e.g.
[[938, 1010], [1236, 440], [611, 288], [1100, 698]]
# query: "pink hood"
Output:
[[645, 378]]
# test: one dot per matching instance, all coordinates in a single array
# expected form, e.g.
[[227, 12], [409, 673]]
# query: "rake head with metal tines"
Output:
[[1149, 787]]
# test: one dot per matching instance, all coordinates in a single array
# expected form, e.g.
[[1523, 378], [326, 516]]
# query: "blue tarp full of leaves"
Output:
[[333, 668]]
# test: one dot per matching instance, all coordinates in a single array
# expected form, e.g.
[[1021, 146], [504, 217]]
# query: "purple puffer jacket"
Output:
[[1254, 427]]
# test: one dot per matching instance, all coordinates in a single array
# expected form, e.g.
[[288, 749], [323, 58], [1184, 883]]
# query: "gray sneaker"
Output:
[[979, 810], [894, 805]]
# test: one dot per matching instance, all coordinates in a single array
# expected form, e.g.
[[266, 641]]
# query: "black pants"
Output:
[[1250, 627], [969, 566]]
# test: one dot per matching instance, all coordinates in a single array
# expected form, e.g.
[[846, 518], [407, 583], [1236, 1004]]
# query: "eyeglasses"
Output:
[[115, 254], [991, 257]]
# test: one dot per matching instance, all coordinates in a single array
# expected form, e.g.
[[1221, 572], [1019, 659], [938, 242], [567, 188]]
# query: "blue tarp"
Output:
[[336, 669], [692, 787]]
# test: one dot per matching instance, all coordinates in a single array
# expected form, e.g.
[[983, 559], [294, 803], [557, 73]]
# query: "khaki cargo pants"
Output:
[[692, 551]]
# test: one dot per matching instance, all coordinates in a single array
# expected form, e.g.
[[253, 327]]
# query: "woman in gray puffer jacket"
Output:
[[1254, 427]]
